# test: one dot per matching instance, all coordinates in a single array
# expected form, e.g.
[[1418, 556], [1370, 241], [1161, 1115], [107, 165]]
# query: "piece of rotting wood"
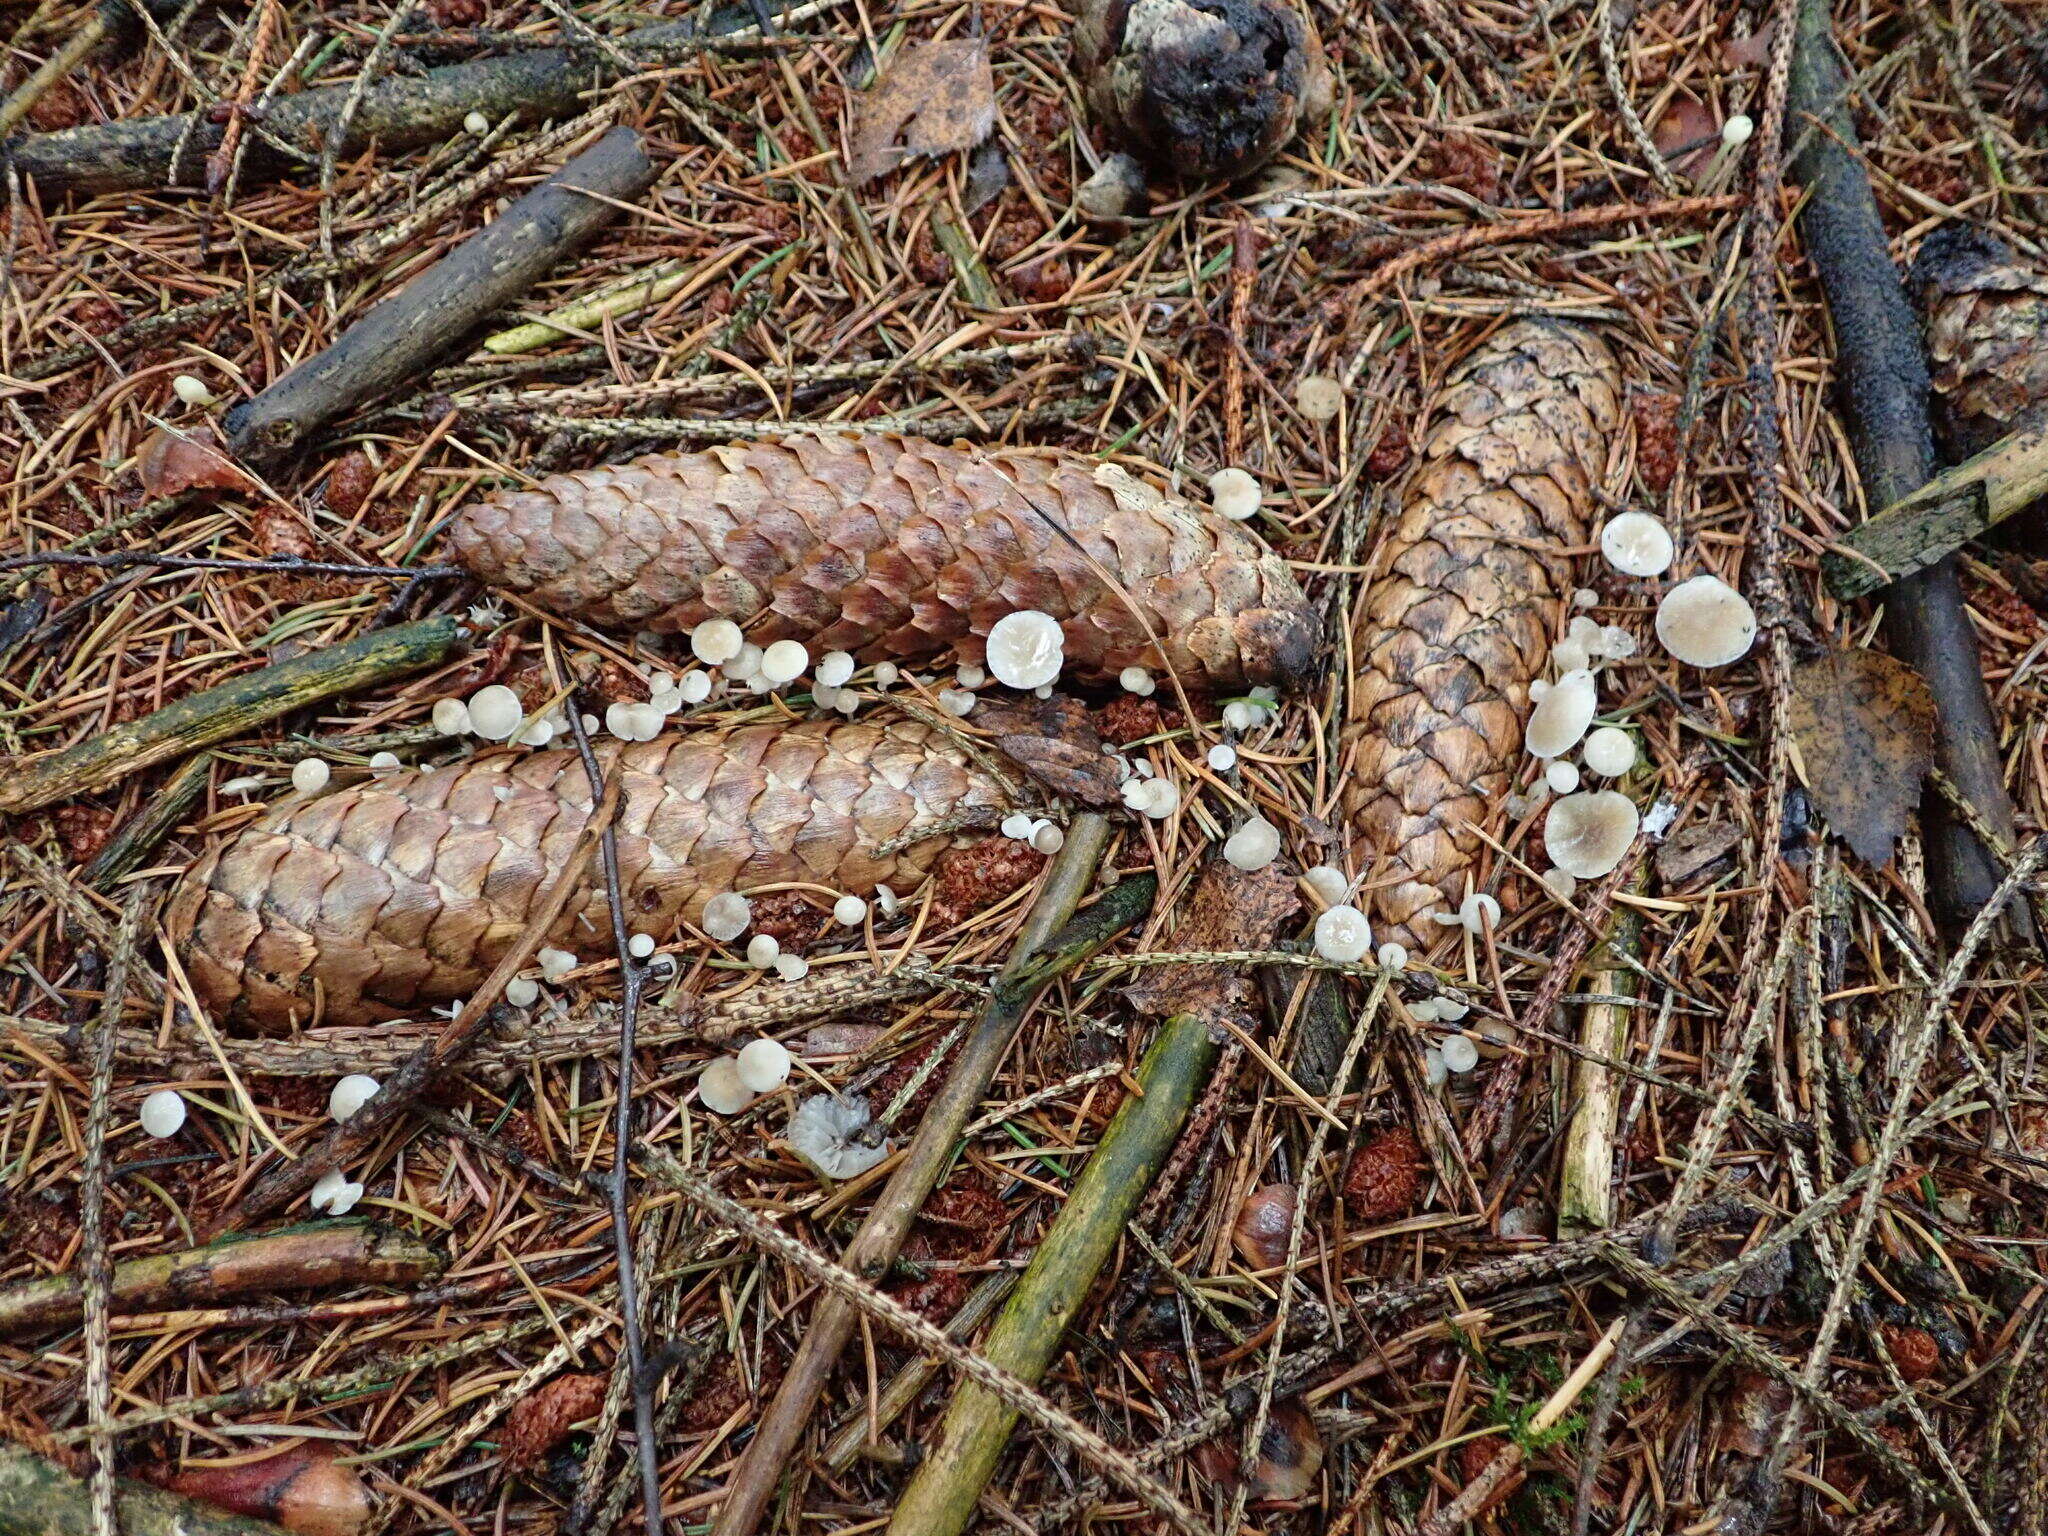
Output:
[[1885, 389], [316, 1256], [238, 705], [39, 1498], [138, 837], [1032, 1329], [1585, 1200], [400, 339]]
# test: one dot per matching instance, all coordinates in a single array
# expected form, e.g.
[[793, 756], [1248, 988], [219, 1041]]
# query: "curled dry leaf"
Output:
[[304, 1488], [1231, 908], [1290, 1454], [1864, 725], [1688, 131], [172, 462], [539, 1423], [1055, 741], [932, 99]]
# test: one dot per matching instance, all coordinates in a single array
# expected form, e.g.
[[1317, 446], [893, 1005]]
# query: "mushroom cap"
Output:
[[1025, 649], [1561, 717], [1610, 751], [1705, 622], [1636, 544], [1588, 833]]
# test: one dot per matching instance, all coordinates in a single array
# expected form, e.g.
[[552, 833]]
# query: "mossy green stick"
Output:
[[238, 705], [1032, 1329], [39, 1498]]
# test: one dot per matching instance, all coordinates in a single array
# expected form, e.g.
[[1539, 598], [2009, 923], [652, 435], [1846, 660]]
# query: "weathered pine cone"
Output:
[[403, 891], [894, 549], [1985, 312], [1450, 637], [1203, 90]]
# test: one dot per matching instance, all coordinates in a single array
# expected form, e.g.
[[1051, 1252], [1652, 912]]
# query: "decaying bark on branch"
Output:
[[1885, 392], [403, 891], [39, 1498], [396, 342], [894, 548], [1451, 636], [326, 1254]]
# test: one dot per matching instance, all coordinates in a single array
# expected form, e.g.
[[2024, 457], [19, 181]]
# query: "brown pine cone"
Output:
[[1450, 637], [1985, 313], [404, 891], [895, 548]]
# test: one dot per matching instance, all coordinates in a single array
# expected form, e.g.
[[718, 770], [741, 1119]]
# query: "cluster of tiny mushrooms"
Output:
[[1701, 621]]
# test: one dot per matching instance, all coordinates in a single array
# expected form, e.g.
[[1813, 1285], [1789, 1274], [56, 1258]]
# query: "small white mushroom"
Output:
[[476, 123], [1318, 397], [1617, 642], [956, 701], [726, 916], [1330, 884], [538, 733], [762, 949], [1610, 751], [640, 945], [1478, 912], [1571, 656], [1561, 776], [1585, 597], [835, 668], [693, 687], [887, 900], [886, 672], [716, 641], [1557, 723], [1137, 680], [1160, 798], [1253, 845], [622, 720], [495, 712], [1460, 1053], [1705, 622], [969, 676], [384, 762], [163, 1113], [1234, 493], [350, 1094], [792, 967], [1588, 833], [836, 1135], [1736, 131], [1025, 650], [1241, 716], [522, 991], [763, 1064], [1343, 935], [451, 717], [849, 911], [1017, 826], [1636, 544], [192, 391], [1048, 839], [310, 775], [1561, 885], [720, 1090], [555, 963], [1222, 757], [1392, 957], [1433, 1069], [746, 666], [784, 661], [334, 1193]]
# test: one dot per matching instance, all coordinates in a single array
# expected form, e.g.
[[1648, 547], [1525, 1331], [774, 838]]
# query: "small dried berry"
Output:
[[1385, 1176], [1913, 1350], [540, 1422]]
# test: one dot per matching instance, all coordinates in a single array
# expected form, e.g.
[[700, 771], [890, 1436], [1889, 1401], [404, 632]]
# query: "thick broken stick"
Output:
[[1959, 504], [1044, 950], [327, 1254], [402, 337], [1885, 391], [39, 1498], [941, 1498], [29, 784]]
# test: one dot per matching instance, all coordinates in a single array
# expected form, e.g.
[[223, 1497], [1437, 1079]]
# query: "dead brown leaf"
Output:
[[171, 462], [1864, 725], [1231, 908], [304, 1488], [1055, 741], [934, 98]]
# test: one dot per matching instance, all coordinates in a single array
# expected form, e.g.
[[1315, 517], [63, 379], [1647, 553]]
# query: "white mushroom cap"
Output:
[[726, 916], [720, 1090], [835, 1135], [1705, 622], [335, 1193], [834, 668], [1234, 493], [1343, 935], [522, 991], [784, 661], [1560, 884], [350, 1094], [1136, 680], [1330, 883], [310, 775], [1557, 723], [1610, 752], [163, 1113], [1048, 839], [554, 963], [1025, 649], [451, 717], [1561, 776], [849, 911], [1588, 833], [1476, 912], [1460, 1053], [792, 967], [495, 712], [1319, 397], [1392, 957], [762, 949], [1253, 845], [763, 1064], [1636, 544], [716, 641]]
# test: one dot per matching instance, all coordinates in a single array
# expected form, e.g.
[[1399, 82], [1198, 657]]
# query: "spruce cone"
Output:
[[895, 549], [1450, 637], [404, 891], [1986, 317]]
